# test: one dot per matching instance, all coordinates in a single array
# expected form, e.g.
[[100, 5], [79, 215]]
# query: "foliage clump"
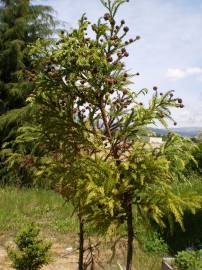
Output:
[[189, 260], [153, 243], [31, 252]]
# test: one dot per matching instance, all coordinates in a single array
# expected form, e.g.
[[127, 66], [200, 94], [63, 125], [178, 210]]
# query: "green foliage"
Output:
[[32, 252], [152, 243], [189, 260], [19, 159], [191, 236], [197, 153], [154, 172]]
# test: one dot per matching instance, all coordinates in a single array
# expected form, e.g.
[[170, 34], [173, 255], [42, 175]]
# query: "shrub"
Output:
[[31, 252], [153, 244], [189, 260]]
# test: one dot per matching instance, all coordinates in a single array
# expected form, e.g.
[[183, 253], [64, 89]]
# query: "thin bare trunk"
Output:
[[130, 236], [81, 243]]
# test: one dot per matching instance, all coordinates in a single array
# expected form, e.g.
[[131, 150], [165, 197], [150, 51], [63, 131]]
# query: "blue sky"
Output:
[[169, 53]]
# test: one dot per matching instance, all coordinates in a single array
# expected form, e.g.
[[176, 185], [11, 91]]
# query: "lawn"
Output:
[[19, 207]]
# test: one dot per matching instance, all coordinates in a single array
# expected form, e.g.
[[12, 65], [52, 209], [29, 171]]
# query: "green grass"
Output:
[[19, 207], [193, 183]]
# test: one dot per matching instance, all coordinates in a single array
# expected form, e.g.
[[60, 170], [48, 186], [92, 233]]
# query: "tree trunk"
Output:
[[81, 243], [130, 236]]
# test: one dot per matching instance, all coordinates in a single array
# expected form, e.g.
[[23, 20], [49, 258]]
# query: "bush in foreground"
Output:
[[31, 252], [189, 260]]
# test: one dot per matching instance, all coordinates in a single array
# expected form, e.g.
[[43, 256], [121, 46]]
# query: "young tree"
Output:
[[21, 24], [91, 126], [32, 253]]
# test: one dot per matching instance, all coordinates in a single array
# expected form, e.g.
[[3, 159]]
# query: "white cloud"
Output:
[[177, 73]]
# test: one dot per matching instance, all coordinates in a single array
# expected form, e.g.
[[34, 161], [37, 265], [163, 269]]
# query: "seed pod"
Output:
[[179, 100], [109, 59], [122, 22], [126, 29], [125, 75], [181, 105], [161, 94], [175, 123], [138, 37], [107, 16], [125, 91], [123, 50], [126, 42], [131, 40], [126, 54], [155, 88]]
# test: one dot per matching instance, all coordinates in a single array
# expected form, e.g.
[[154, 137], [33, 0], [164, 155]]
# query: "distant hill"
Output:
[[184, 131]]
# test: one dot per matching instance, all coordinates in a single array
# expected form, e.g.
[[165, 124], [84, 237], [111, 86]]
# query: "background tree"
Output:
[[91, 126], [21, 24]]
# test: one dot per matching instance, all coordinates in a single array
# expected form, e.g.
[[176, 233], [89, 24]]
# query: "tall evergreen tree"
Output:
[[21, 24]]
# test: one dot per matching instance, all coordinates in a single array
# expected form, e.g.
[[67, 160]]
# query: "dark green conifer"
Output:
[[22, 23]]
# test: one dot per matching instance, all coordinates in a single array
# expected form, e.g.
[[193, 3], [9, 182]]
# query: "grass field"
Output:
[[19, 207]]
